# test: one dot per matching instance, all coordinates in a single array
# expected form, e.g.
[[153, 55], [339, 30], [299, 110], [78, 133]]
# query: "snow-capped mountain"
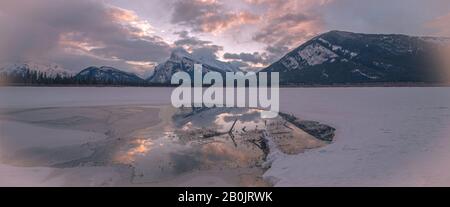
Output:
[[21, 68], [107, 75], [339, 57], [180, 60]]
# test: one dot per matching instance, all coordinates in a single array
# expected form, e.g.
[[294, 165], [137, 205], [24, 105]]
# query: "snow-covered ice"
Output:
[[385, 136]]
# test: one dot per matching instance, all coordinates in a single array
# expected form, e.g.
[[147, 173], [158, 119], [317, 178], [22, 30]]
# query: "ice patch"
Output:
[[364, 74], [316, 54]]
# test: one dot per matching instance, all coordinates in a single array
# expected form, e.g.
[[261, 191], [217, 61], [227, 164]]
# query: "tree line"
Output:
[[29, 77], [32, 77]]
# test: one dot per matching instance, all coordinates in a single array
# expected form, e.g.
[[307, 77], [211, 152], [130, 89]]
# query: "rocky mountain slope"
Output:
[[181, 60], [339, 57], [107, 75]]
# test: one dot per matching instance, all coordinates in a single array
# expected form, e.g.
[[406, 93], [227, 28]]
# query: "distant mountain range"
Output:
[[180, 60], [108, 76], [51, 70], [335, 57]]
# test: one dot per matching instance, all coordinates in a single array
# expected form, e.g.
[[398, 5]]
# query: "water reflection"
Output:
[[139, 147], [186, 151], [219, 140]]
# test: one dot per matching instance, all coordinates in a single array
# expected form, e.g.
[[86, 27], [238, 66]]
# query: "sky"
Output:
[[136, 35]]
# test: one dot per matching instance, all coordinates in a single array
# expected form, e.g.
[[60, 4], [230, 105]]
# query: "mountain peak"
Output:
[[179, 54], [181, 60], [339, 32]]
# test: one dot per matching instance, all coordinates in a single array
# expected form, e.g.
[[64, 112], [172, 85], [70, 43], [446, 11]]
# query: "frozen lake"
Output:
[[385, 136]]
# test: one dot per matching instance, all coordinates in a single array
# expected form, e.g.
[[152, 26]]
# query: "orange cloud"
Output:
[[440, 25], [130, 19], [209, 16], [288, 23], [216, 25], [122, 14]]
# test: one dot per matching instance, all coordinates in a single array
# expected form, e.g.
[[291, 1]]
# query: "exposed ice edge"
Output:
[[274, 154], [271, 175]]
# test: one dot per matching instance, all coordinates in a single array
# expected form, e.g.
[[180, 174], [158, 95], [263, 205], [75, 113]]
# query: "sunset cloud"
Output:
[[248, 61], [288, 23], [254, 58], [197, 46], [136, 35], [440, 25], [38, 30], [209, 16]]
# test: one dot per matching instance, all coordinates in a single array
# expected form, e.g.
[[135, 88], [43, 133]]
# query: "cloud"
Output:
[[78, 33], [440, 25], [278, 24], [288, 23], [384, 16], [248, 61], [197, 47], [185, 40], [209, 16], [254, 58], [240, 64], [55, 28]]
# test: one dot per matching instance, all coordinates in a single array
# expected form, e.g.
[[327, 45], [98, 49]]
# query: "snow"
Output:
[[19, 176], [85, 72], [443, 41], [384, 137], [16, 136], [106, 72], [316, 54], [36, 97], [46, 176], [163, 71], [383, 65], [178, 55], [337, 48], [51, 69], [324, 41], [364, 74]]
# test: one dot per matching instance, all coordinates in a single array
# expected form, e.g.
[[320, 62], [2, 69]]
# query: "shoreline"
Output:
[[355, 85]]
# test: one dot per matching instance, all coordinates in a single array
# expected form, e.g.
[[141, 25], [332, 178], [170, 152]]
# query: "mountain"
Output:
[[181, 60], [108, 76], [22, 68], [339, 57]]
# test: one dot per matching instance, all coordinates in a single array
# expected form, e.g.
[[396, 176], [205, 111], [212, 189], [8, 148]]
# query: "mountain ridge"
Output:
[[340, 57], [107, 75], [21, 67], [181, 60]]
